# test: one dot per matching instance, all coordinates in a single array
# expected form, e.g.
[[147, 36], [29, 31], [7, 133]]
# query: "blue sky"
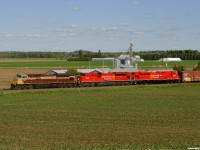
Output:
[[109, 25]]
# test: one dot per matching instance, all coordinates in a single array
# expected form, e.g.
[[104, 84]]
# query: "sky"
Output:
[[108, 25]]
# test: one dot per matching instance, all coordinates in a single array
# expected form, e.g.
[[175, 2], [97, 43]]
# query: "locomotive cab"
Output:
[[21, 76], [18, 79]]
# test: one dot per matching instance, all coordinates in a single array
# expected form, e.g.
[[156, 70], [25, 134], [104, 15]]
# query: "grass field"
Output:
[[151, 63], [138, 117], [53, 63], [50, 63]]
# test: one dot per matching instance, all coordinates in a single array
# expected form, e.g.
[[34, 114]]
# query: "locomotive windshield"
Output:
[[21, 76]]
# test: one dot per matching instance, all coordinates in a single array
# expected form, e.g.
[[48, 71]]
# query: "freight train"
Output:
[[61, 79]]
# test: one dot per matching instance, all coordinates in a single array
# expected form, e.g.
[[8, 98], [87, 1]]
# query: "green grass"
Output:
[[84, 64], [138, 117], [54, 64], [151, 63]]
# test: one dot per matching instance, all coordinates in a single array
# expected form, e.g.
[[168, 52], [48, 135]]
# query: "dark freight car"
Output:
[[190, 76]]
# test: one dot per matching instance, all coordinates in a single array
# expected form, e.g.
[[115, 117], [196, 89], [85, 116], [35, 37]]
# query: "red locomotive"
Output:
[[157, 76], [96, 78]]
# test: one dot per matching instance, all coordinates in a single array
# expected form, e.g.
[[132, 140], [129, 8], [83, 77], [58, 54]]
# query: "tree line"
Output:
[[183, 54], [84, 55]]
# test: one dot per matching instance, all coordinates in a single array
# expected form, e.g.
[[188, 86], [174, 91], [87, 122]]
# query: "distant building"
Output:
[[169, 59], [100, 70]]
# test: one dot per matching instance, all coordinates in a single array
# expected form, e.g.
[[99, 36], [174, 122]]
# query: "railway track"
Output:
[[2, 91]]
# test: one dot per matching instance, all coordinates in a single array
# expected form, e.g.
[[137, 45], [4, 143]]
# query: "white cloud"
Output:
[[176, 28], [150, 15], [32, 36], [73, 26], [103, 29], [139, 33], [72, 35], [136, 2], [111, 38], [124, 24], [98, 29], [75, 8], [112, 29], [169, 18], [6, 35]]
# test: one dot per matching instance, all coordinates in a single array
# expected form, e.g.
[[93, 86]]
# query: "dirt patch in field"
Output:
[[7, 75], [29, 60]]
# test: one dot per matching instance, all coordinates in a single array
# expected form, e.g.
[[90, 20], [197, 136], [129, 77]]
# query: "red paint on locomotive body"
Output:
[[156, 75], [104, 77], [96, 77]]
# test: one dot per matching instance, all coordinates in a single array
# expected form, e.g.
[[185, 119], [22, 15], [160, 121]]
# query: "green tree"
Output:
[[197, 67], [72, 71], [99, 54], [80, 54]]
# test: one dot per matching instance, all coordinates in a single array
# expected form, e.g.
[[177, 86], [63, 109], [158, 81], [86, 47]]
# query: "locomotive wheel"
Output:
[[29, 87], [12, 87], [92, 84], [70, 85], [61, 85], [21, 87]]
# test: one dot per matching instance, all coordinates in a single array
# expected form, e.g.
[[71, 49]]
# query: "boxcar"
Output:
[[190, 76]]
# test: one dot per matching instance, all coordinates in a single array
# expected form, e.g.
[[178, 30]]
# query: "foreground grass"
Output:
[[139, 117]]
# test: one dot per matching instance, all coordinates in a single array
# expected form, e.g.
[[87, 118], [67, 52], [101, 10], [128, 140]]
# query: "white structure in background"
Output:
[[125, 62], [103, 60], [169, 59], [100, 70], [166, 60]]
